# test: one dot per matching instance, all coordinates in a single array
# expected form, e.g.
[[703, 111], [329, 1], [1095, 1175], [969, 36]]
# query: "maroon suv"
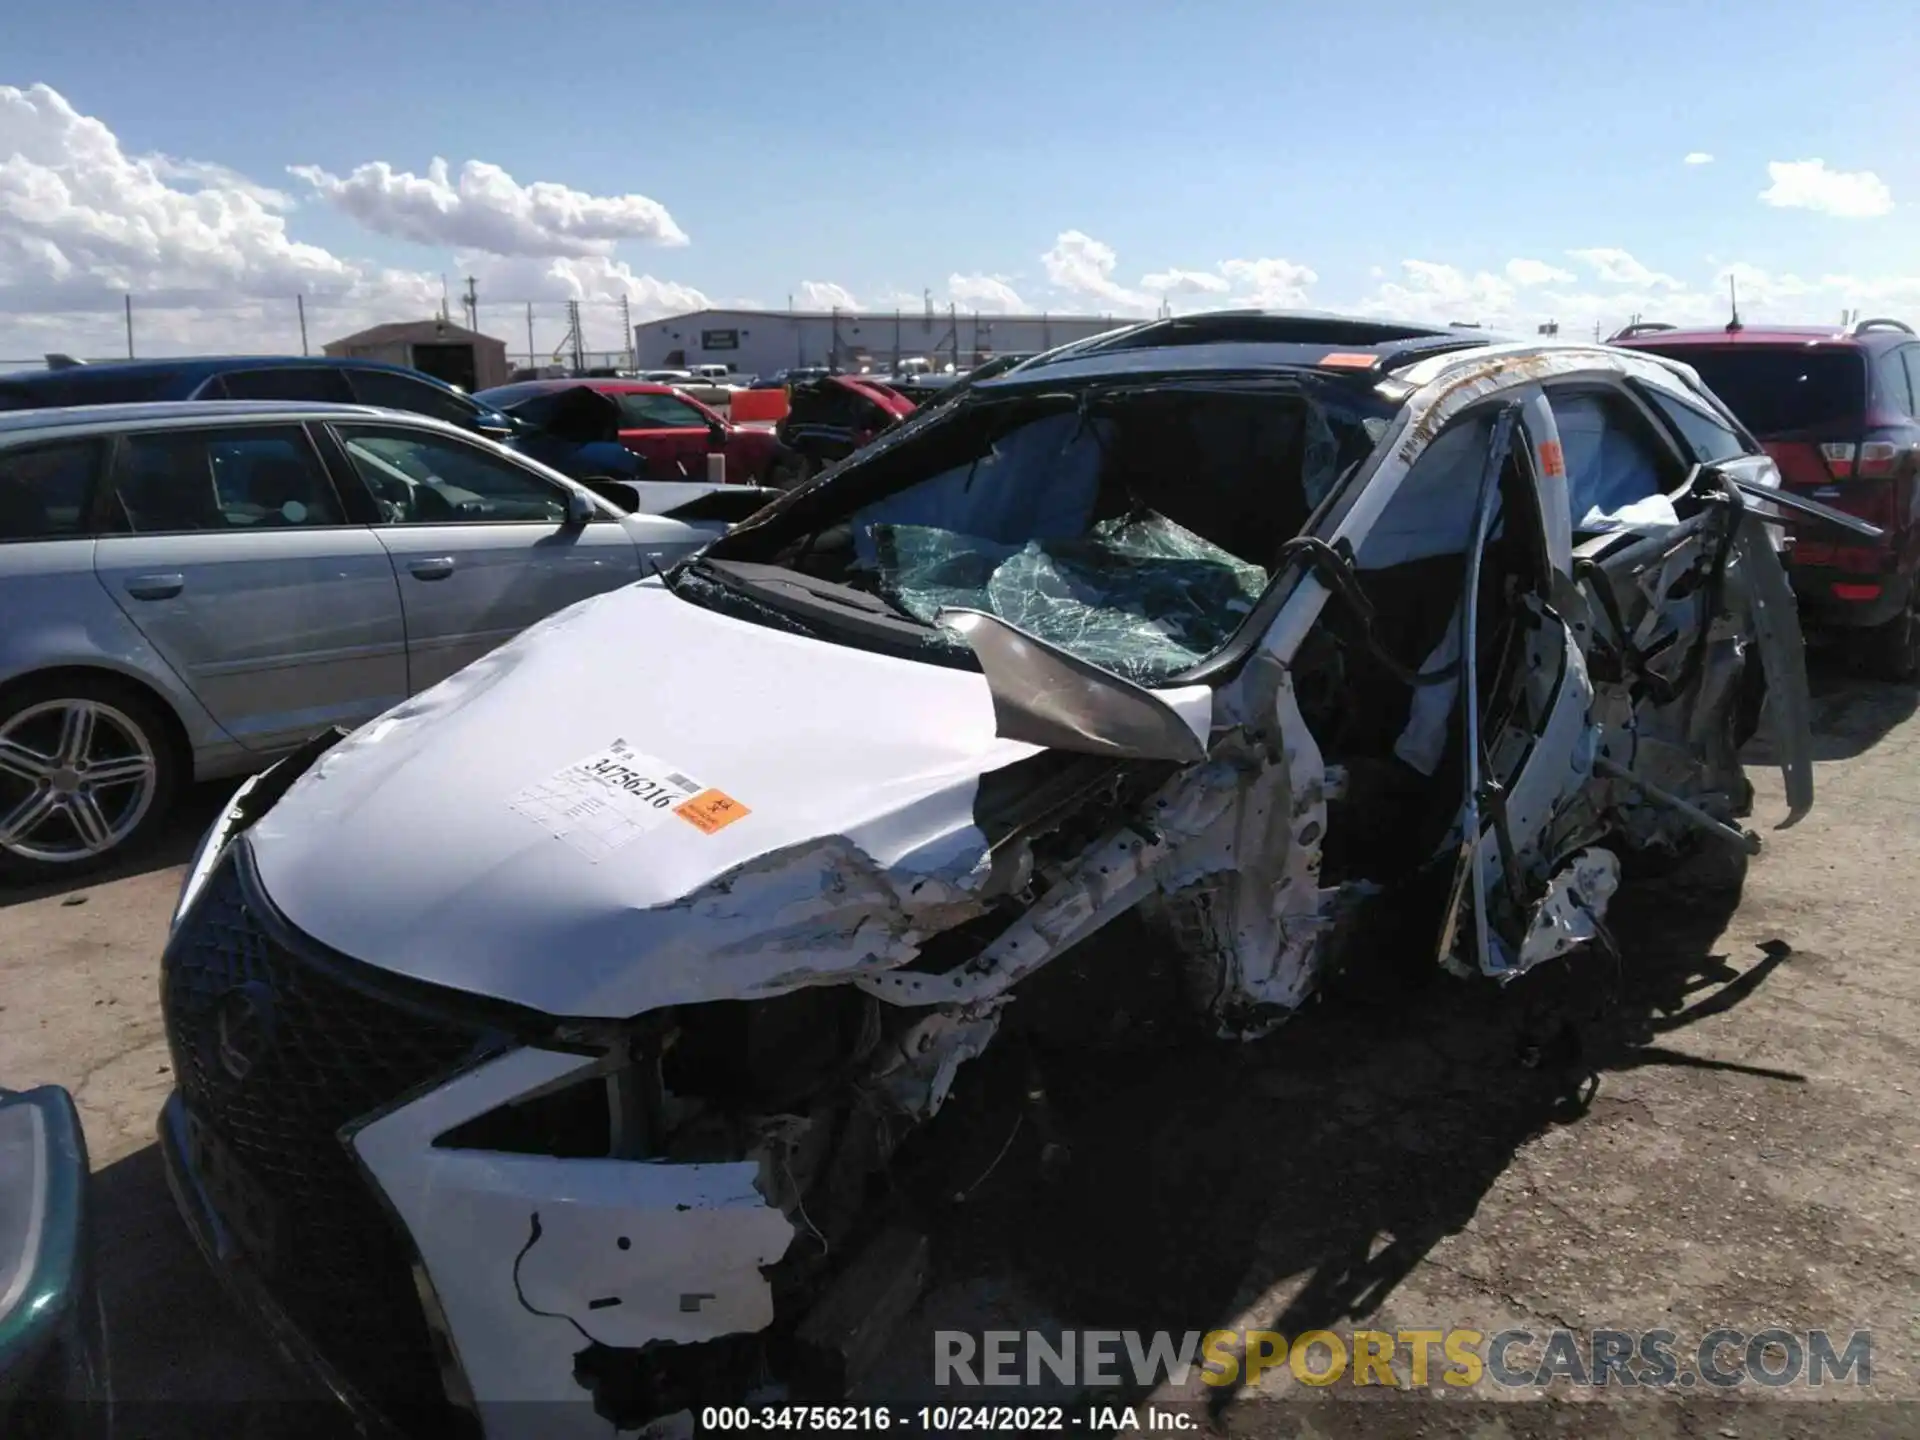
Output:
[[1836, 410]]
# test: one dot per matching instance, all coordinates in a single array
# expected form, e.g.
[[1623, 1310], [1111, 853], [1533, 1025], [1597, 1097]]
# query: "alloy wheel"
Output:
[[76, 779]]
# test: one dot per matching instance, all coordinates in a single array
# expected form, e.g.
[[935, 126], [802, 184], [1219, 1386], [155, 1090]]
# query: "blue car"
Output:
[[53, 1380], [579, 447]]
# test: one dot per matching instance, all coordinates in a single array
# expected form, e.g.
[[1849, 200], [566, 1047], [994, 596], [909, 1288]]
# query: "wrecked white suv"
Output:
[[538, 1041]]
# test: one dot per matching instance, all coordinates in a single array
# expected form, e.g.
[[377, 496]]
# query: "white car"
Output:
[[531, 1040]]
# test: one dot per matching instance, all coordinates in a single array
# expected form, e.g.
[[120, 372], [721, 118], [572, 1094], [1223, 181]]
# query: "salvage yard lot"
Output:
[[1723, 1133]]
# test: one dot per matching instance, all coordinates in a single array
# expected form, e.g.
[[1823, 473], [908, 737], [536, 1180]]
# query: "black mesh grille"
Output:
[[313, 1053]]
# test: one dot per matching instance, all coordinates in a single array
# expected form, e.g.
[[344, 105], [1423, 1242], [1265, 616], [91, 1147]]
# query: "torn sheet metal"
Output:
[[1573, 910], [1762, 583], [918, 1071], [1045, 696], [1247, 906]]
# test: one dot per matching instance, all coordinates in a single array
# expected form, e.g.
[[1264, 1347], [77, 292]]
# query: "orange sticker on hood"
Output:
[[711, 810], [1350, 360]]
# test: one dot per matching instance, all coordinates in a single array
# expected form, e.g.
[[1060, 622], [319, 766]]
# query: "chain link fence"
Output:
[[589, 333]]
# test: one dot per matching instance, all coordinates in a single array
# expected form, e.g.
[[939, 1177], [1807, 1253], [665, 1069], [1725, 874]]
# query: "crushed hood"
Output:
[[830, 824]]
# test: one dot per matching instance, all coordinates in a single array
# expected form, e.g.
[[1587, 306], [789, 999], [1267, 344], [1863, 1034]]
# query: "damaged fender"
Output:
[[625, 1252]]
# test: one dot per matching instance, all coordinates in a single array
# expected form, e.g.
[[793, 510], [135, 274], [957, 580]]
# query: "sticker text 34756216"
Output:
[[614, 796]]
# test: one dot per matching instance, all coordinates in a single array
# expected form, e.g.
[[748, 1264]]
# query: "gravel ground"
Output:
[[1719, 1131]]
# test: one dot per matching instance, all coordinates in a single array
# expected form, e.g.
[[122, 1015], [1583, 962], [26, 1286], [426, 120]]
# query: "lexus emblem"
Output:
[[243, 1028]]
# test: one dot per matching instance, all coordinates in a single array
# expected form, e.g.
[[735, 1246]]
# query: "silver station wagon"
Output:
[[189, 590]]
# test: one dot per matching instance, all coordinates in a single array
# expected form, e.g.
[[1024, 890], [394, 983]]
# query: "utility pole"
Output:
[[579, 342], [532, 359], [130, 325], [300, 304], [473, 304], [626, 329]]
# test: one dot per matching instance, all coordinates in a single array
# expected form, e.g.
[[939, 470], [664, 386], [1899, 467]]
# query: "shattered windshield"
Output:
[[1135, 529], [1137, 594]]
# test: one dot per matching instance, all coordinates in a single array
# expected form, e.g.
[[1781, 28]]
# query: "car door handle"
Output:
[[439, 567], [155, 587]]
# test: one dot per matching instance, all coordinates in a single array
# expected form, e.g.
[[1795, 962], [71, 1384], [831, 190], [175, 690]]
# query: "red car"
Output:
[[831, 417], [672, 431], [1838, 410]]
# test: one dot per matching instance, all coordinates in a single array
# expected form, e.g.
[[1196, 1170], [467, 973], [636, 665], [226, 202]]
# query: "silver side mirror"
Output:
[[580, 510]]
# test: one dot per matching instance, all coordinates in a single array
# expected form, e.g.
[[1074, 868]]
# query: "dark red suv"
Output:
[[1836, 409]]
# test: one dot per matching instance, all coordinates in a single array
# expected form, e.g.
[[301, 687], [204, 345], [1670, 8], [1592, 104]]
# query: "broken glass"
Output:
[[1137, 595]]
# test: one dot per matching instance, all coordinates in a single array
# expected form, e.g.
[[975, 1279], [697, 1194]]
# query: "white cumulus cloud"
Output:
[[1185, 282], [1083, 267], [560, 278], [988, 294], [209, 175], [1270, 283], [1617, 267], [82, 222], [1810, 185], [1536, 272], [1697, 157], [825, 295], [206, 256], [1438, 294], [486, 209]]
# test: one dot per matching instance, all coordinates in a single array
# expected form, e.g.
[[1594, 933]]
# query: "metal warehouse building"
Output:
[[759, 342]]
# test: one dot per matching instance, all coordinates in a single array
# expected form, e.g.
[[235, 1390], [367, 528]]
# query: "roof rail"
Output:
[[1638, 328], [1879, 323]]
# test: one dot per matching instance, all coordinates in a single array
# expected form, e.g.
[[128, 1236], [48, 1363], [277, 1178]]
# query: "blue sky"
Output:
[[888, 149]]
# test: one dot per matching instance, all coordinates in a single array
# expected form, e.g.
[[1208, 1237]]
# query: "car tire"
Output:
[[73, 738], [1893, 649]]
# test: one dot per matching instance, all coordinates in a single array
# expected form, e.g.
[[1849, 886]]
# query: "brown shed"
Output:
[[437, 347]]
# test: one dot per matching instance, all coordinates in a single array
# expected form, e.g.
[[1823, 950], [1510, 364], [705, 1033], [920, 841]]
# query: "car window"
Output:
[[829, 405], [232, 478], [640, 410], [403, 392], [301, 382], [1910, 357], [423, 479], [1775, 390], [44, 489], [1613, 457], [1890, 371], [1706, 438]]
